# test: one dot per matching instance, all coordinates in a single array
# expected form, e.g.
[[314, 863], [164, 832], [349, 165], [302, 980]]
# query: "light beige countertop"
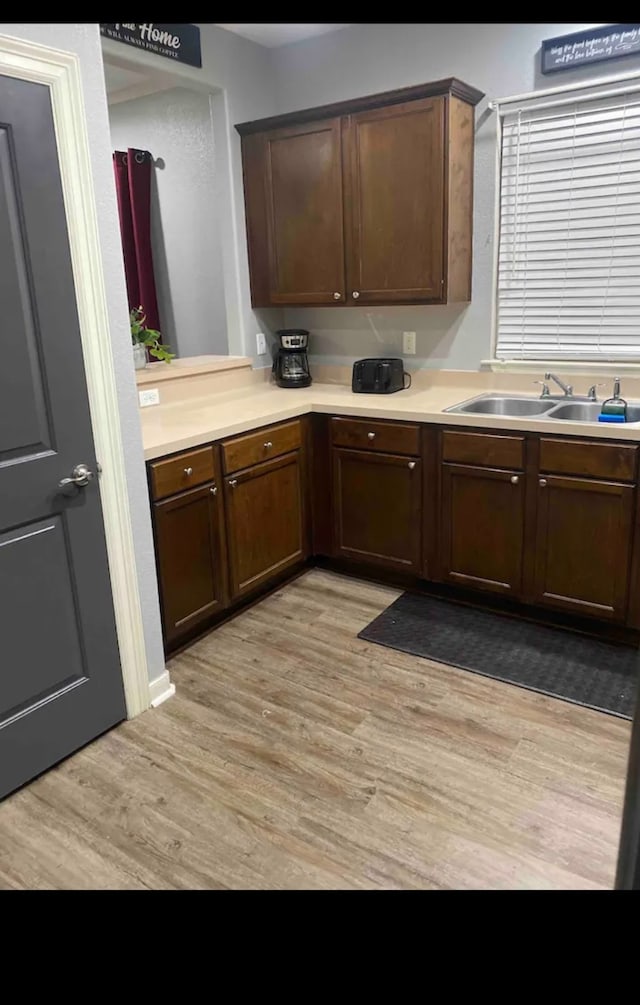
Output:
[[181, 424]]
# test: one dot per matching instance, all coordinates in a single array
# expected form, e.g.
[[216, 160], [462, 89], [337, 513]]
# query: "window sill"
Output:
[[586, 368]]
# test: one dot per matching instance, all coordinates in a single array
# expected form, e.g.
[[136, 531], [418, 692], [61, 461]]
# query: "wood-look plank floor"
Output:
[[295, 755]]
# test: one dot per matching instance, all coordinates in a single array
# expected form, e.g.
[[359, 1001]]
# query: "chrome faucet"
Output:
[[592, 393], [567, 388]]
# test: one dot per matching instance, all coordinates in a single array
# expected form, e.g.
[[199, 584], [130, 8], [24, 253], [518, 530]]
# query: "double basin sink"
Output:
[[540, 408]]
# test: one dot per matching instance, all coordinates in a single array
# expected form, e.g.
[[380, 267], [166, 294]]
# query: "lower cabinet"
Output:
[[191, 559], [266, 531], [482, 528], [559, 537], [583, 545], [377, 501]]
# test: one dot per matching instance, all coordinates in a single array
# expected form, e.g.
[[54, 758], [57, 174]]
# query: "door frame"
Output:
[[60, 72]]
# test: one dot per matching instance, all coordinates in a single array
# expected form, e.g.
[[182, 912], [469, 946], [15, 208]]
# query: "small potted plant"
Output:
[[146, 340]]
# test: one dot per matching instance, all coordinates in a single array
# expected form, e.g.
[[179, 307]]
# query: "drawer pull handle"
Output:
[[336, 296], [233, 482], [188, 472], [355, 295], [371, 436], [213, 490], [542, 482], [514, 479], [412, 465], [268, 445]]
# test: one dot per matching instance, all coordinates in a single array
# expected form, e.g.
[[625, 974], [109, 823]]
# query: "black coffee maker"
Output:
[[291, 366]]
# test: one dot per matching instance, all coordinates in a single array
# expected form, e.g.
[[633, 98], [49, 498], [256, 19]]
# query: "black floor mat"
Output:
[[587, 671]]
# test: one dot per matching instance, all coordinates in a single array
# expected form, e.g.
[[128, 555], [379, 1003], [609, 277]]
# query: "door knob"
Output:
[[336, 296], [412, 465], [188, 472], [371, 436], [213, 490], [542, 482], [355, 294], [80, 476], [514, 479], [233, 482]]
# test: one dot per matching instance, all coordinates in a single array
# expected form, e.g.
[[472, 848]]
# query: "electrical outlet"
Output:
[[261, 344], [149, 397], [409, 343]]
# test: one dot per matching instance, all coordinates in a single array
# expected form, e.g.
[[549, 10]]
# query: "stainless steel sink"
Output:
[[493, 404], [588, 411], [544, 408]]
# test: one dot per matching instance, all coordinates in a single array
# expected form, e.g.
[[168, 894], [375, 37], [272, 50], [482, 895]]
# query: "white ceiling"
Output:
[[273, 35]]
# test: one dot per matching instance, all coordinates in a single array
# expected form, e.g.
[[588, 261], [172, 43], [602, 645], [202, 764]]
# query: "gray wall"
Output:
[[366, 58], [176, 126], [241, 74], [84, 40]]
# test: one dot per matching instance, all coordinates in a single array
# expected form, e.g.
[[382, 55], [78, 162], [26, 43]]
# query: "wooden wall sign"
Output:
[[175, 41], [566, 52]]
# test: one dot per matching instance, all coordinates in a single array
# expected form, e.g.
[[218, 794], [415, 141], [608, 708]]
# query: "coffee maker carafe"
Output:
[[291, 366]]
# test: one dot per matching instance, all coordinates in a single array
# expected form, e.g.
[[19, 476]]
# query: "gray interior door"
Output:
[[60, 675]]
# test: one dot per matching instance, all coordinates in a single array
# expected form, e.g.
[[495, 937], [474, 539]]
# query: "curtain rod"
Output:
[[602, 82]]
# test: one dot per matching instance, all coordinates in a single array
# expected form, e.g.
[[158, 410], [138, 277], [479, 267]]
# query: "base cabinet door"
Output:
[[583, 535], [482, 528], [377, 500], [191, 560], [266, 531]]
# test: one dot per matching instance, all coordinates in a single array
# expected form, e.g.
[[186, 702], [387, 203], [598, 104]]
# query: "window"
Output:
[[569, 254]]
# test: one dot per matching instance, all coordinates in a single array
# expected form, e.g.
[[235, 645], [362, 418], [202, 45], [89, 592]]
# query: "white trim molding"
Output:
[[161, 689], [628, 81], [585, 368], [60, 71]]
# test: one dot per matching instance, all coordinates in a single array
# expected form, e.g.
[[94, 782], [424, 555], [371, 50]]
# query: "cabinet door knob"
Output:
[[542, 482], [213, 490], [188, 472], [371, 436], [268, 445], [412, 465], [355, 294], [233, 482], [514, 479], [336, 296]]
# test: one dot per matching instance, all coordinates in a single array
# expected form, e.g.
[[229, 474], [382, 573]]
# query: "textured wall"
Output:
[[241, 74], [176, 126], [365, 58], [84, 39]]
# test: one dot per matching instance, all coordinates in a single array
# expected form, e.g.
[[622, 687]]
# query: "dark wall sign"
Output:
[[566, 52], [176, 41]]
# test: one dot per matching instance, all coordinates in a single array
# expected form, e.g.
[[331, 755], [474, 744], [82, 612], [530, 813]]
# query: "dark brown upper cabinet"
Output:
[[363, 202]]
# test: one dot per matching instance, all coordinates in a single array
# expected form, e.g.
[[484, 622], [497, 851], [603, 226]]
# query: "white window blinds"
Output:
[[569, 256]]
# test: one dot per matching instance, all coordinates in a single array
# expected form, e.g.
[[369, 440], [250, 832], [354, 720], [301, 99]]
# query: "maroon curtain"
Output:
[[133, 188]]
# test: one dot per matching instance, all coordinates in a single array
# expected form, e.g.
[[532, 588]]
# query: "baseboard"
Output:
[[161, 689]]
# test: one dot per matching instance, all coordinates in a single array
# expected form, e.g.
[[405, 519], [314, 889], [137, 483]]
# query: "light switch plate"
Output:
[[261, 344], [409, 343], [149, 397]]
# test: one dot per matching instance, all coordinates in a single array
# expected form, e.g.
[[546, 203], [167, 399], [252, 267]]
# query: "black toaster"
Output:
[[378, 376]]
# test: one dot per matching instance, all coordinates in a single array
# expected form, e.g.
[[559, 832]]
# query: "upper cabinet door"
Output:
[[395, 182], [304, 214]]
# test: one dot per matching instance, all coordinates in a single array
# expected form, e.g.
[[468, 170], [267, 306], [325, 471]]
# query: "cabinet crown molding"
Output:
[[450, 85]]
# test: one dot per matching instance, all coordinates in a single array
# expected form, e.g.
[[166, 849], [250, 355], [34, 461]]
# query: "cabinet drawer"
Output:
[[588, 457], [483, 448], [388, 437], [252, 448], [185, 471]]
